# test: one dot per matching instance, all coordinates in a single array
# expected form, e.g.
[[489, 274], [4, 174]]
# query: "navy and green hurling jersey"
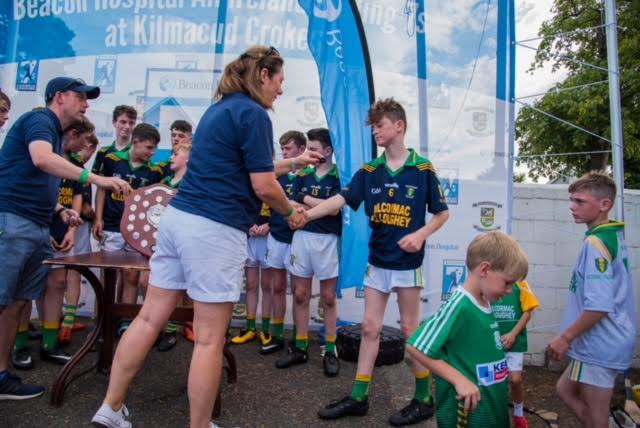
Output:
[[278, 226], [117, 164], [465, 335], [169, 180], [310, 184], [265, 214], [602, 282], [68, 189], [396, 203], [96, 168], [509, 309], [166, 167], [87, 190]]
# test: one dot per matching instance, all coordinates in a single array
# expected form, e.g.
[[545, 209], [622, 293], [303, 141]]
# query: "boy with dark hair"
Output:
[[599, 328], [135, 166], [124, 120], [461, 342], [5, 106], [292, 144], [314, 251], [513, 312], [397, 188]]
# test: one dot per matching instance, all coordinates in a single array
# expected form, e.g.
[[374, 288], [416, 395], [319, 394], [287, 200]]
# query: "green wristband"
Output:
[[290, 213], [84, 176]]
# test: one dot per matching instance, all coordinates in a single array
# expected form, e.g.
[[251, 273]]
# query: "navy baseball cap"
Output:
[[63, 84]]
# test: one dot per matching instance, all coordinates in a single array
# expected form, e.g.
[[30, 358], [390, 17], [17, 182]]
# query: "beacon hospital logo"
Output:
[[330, 12]]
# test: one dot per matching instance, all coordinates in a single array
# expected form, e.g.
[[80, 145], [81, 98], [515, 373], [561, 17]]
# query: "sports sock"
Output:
[[518, 409], [251, 323], [423, 386], [266, 323], [50, 334], [302, 341], [278, 327], [22, 338], [294, 333], [69, 315], [360, 390], [171, 327], [330, 343]]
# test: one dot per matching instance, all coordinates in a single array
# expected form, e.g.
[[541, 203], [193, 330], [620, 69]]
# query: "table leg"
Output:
[[62, 379], [106, 350]]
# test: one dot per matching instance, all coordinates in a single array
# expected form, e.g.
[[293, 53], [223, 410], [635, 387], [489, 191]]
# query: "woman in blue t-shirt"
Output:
[[201, 244]]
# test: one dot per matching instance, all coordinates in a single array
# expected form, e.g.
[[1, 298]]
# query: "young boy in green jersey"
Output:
[[598, 332], [513, 312], [124, 120], [398, 189], [461, 343]]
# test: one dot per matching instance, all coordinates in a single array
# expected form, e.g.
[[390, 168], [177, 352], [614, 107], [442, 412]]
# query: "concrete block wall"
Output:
[[544, 227]]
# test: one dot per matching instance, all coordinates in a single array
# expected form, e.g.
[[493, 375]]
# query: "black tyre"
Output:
[[391, 344]]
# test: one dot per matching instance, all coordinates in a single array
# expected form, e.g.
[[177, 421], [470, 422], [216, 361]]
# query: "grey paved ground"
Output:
[[263, 396]]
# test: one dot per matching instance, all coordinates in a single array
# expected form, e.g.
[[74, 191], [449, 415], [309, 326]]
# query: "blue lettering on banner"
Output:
[[492, 373]]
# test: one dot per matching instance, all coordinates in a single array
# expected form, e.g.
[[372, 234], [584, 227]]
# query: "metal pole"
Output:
[[614, 105]]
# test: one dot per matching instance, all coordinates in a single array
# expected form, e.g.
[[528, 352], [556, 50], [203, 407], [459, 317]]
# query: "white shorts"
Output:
[[314, 254], [81, 246], [201, 256], [514, 361], [114, 241], [257, 252], [386, 280], [591, 374], [278, 253]]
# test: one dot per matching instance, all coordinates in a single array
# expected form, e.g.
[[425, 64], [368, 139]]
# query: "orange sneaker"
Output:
[[64, 336], [78, 326], [520, 422], [187, 330]]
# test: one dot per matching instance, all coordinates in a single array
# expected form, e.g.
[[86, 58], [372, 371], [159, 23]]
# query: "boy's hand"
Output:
[[412, 243], [253, 230], [468, 392], [68, 241], [298, 219], [70, 217], [558, 347], [114, 184], [98, 233], [262, 230], [308, 158], [508, 340]]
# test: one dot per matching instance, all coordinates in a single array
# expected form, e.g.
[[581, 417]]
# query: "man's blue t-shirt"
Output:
[[117, 164], [26, 190], [278, 225], [324, 187], [396, 203], [233, 139]]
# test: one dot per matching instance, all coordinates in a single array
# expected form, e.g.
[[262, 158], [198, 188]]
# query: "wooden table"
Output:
[[108, 311]]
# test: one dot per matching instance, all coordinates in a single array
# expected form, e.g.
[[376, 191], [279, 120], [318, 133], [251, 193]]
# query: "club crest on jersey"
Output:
[[411, 191], [492, 373], [601, 264]]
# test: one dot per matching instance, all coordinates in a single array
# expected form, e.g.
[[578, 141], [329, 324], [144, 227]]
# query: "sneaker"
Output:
[[520, 422], [21, 359], [187, 330], [167, 341], [331, 364], [265, 338], [12, 388], [122, 327], [276, 344], [345, 407], [213, 425], [64, 335], [55, 355], [106, 417], [244, 337], [298, 356], [78, 326], [413, 413]]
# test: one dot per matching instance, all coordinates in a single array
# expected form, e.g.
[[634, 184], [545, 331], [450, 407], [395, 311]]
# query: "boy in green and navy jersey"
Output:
[[397, 188], [134, 166], [314, 251], [598, 332], [513, 312], [292, 144], [461, 343], [124, 119]]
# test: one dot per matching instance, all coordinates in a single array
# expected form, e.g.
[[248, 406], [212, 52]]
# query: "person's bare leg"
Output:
[[375, 303], [138, 340], [301, 298], [569, 392], [210, 326], [52, 306], [9, 320], [279, 286], [409, 307], [329, 300], [267, 293], [253, 277], [130, 286], [598, 400]]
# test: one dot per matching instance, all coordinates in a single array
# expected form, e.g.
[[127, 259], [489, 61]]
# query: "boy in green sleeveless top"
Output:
[[513, 312], [461, 343]]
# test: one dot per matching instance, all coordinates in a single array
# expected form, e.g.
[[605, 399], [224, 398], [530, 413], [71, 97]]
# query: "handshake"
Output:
[[299, 218]]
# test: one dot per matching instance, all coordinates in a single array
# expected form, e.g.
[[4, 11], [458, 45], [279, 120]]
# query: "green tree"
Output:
[[587, 107]]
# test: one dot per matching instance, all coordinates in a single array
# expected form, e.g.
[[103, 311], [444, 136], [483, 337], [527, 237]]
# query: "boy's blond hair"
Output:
[[502, 251], [181, 147], [599, 184]]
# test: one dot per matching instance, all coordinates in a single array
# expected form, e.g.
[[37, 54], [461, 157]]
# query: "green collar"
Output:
[[332, 172], [612, 225], [125, 155], [412, 160]]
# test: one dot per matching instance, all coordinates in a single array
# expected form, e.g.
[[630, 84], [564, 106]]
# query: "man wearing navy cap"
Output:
[[30, 172]]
